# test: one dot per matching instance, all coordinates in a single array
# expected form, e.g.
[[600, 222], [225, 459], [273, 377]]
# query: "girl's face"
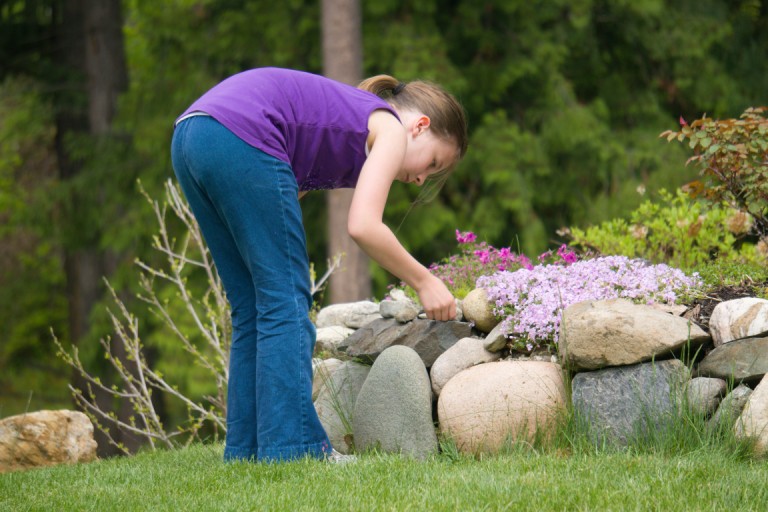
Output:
[[425, 153]]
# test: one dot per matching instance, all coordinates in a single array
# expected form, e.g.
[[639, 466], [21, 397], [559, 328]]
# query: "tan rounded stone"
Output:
[[45, 438], [485, 406], [478, 310]]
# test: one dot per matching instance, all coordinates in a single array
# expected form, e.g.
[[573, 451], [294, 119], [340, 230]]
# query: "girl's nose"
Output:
[[419, 179]]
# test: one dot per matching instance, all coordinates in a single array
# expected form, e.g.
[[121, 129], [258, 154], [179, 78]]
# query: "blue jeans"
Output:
[[246, 203]]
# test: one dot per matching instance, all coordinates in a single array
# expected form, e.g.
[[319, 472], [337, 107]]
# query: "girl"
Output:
[[244, 153]]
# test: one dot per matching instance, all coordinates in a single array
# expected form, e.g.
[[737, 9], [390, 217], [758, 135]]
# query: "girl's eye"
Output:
[[434, 163]]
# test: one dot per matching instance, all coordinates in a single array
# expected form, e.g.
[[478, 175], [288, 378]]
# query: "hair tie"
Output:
[[398, 89]]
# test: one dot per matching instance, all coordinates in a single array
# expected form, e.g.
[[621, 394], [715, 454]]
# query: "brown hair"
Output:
[[446, 115]]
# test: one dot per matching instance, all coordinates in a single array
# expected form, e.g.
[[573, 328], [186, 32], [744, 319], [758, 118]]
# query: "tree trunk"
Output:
[[90, 45], [343, 61]]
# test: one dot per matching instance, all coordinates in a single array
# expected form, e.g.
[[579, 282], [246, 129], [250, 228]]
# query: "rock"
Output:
[[394, 408], [731, 407], [753, 422], [467, 352], [616, 332], [403, 309], [703, 394], [738, 318], [740, 360], [428, 338], [479, 311], [45, 438], [459, 311], [353, 314], [329, 338], [322, 369], [484, 407], [621, 404], [495, 341], [335, 403]]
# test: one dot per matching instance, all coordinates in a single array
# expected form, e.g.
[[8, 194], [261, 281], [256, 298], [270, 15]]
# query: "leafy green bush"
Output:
[[681, 231]]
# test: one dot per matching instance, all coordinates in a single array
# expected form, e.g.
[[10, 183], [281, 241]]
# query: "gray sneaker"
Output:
[[336, 457]]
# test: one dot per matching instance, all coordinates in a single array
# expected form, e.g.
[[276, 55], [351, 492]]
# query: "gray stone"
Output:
[[428, 338], [623, 404], [403, 310], [322, 369], [616, 332], [730, 408], [740, 360], [495, 341], [335, 404], [738, 318], [394, 408], [703, 394], [353, 314], [467, 352], [45, 438]]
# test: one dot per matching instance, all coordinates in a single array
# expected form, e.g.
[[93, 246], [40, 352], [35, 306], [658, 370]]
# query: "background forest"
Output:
[[566, 99]]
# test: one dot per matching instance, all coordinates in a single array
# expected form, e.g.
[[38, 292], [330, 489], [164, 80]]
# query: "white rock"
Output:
[[738, 318], [753, 422], [328, 338], [353, 314]]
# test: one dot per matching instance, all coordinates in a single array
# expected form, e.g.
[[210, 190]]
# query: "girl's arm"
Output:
[[366, 213]]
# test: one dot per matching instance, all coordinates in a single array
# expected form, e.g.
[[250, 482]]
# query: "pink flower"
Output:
[[682, 121], [483, 256], [465, 238]]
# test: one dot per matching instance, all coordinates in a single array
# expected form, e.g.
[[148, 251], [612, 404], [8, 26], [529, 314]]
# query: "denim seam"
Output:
[[300, 325]]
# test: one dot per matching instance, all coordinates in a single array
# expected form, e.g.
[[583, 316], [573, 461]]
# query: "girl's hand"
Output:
[[437, 301]]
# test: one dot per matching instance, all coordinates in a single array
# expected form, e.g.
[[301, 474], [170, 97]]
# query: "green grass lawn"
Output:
[[196, 479]]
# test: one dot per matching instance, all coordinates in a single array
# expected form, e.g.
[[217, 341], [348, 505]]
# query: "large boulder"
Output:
[[45, 438], [393, 411], [616, 332], [619, 405], [738, 318], [335, 403], [484, 407], [428, 338], [741, 360]]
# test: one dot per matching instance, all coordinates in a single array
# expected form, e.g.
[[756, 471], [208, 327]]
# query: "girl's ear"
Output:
[[420, 124]]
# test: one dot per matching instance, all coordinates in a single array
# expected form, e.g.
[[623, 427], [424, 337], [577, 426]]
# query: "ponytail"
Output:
[[446, 115]]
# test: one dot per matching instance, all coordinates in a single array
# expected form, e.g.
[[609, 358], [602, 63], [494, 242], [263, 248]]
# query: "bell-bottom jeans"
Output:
[[246, 203]]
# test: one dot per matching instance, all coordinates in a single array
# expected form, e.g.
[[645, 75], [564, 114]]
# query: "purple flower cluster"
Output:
[[531, 301]]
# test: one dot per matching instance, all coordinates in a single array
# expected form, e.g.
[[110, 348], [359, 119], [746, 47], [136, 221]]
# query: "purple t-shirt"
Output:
[[317, 125]]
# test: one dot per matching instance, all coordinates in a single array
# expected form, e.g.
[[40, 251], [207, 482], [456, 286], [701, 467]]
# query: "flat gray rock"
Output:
[[428, 338], [742, 360]]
